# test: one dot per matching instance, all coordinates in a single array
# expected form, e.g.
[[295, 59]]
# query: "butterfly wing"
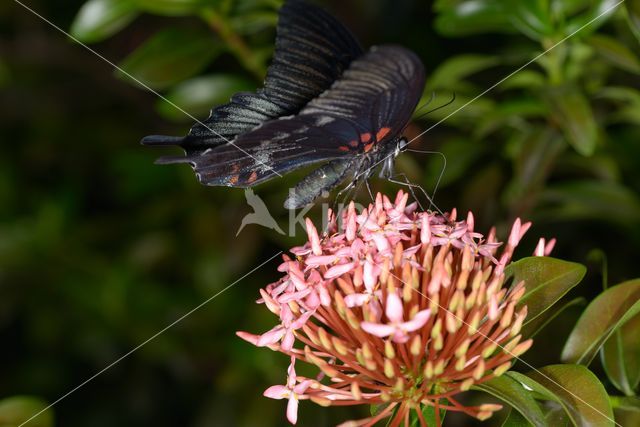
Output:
[[312, 51], [370, 104]]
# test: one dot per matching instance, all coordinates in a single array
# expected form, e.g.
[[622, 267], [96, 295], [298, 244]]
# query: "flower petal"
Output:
[[394, 309], [338, 270], [378, 329], [276, 392], [292, 409], [418, 321]]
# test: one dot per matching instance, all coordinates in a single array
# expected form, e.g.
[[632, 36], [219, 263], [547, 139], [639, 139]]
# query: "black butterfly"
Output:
[[324, 100]]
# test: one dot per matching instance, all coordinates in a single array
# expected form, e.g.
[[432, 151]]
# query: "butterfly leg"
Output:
[[411, 187]]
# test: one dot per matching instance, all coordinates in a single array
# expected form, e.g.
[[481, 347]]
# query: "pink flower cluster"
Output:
[[397, 308]]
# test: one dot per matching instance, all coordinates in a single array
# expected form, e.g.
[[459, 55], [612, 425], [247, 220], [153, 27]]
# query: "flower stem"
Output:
[[234, 42]]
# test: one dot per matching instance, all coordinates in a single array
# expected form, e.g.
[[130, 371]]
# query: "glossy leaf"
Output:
[[588, 22], [628, 403], [546, 281], [633, 16], [515, 419], [99, 19], [171, 56], [532, 328], [17, 410], [596, 200], [429, 415], [615, 52], [514, 394], [573, 115], [472, 17], [248, 23], [198, 95], [453, 70], [580, 392], [606, 313], [173, 7], [621, 356], [525, 79], [531, 17]]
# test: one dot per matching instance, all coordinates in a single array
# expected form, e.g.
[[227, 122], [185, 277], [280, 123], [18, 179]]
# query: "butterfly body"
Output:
[[325, 101]]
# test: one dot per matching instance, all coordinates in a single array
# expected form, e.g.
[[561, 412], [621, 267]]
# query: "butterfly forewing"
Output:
[[312, 51]]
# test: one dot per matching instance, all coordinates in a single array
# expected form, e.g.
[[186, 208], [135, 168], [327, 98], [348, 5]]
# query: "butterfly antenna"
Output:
[[446, 104], [433, 95]]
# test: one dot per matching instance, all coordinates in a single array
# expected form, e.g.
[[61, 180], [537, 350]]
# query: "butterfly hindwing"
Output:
[[369, 105]]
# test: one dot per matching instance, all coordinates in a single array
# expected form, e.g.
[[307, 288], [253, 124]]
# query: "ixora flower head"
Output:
[[397, 308]]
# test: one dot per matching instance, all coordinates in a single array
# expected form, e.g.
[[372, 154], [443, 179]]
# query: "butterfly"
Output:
[[325, 102]]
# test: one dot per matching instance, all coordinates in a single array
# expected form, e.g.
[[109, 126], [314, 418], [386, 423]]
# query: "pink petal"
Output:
[[339, 270], [356, 300], [271, 337], [250, 338], [288, 340], [302, 387], [313, 237], [378, 329], [292, 409], [276, 392], [394, 308], [418, 321], [370, 275], [318, 260], [381, 243]]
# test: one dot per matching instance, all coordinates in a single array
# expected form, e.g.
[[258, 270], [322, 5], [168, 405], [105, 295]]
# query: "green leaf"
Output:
[[628, 403], [532, 328], [171, 56], [579, 391], [588, 22], [173, 7], [472, 17], [99, 19], [633, 16], [515, 419], [198, 95], [621, 356], [615, 52], [531, 17], [606, 313], [248, 23], [514, 394], [429, 415], [546, 281], [453, 70], [525, 79], [595, 200], [17, 410], [573, 114]]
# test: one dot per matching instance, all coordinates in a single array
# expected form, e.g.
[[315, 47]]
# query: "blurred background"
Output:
[[100, 248]]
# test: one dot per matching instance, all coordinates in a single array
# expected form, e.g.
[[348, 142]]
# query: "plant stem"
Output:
[[234, 42]]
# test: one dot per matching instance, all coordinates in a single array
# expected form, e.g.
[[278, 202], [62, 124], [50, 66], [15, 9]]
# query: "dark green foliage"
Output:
[[100, 249]]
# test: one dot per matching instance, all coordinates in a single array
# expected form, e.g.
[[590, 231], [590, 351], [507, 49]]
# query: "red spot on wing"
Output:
[[365, 137], [233, 179], [382, 133], [354, 143], [343, 148], [368, 147], [252, 177]]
